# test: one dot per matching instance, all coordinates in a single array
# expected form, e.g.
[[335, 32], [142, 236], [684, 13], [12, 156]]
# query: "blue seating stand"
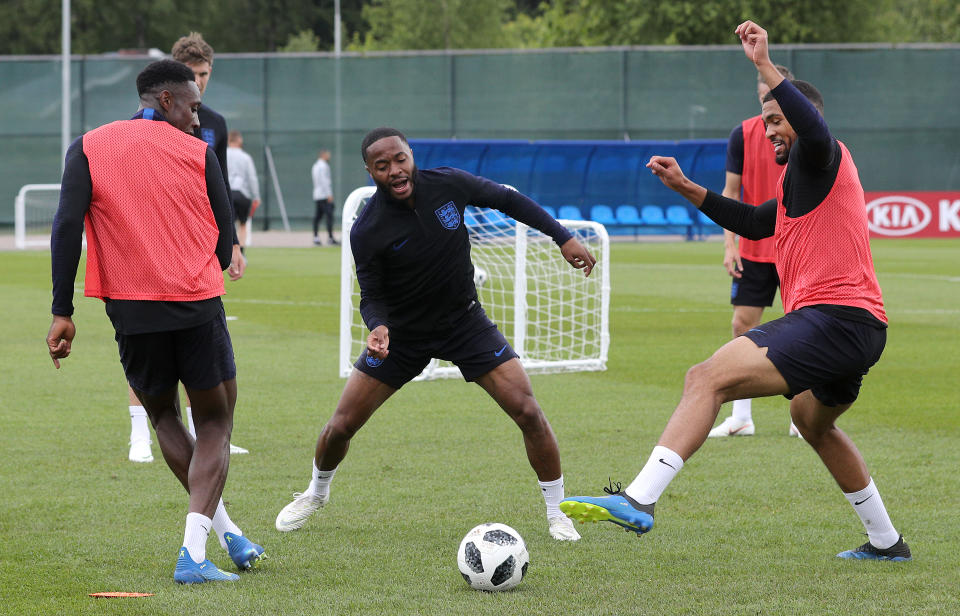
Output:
[[579, 178]]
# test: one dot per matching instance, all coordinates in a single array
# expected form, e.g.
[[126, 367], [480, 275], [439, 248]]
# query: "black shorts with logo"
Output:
[[200, 357], [475, 345], [813, 349], [757, 286]]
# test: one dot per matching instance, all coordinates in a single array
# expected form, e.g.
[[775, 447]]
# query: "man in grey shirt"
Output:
[[243, 183]]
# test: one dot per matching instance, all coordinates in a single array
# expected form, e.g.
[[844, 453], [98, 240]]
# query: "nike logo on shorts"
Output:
[[399, 245]]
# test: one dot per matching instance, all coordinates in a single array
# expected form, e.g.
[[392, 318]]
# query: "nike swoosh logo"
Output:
[[500, 352], [399, 245], [863, 501], [662, 461]]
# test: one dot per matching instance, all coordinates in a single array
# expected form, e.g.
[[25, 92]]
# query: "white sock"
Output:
[[869, 506], [552, 495], [320, 483], [659, 471], [223, 524], [741, 410], [139, 426], [190, 426], [195, 536]]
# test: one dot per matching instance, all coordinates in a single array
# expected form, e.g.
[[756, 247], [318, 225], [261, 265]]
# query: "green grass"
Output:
[[750, 526]]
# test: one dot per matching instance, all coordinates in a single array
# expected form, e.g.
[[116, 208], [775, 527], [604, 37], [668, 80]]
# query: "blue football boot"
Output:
[[245, 553], [897, 552], [190, 572], [617, 508]]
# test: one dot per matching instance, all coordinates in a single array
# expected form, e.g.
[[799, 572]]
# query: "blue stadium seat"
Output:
[[680, 216], [707, 226], [627, 214], [550, 210], [603, 214], [653, 215], [570, 212]]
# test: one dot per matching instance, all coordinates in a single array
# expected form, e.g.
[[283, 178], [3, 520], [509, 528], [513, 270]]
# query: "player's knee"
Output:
[[340, 429], [527, 413], [742, 324], [702, 378]]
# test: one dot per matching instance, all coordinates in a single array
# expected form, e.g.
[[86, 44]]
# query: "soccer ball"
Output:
[[493, 556], [479, 276]]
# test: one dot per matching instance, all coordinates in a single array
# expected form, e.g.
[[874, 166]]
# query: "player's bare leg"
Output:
[[817, 424], [738, 369], [200, 465], [361, 397], [510, 386]]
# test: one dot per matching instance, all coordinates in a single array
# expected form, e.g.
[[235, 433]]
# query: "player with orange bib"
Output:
[[159, 235], [833, 330]]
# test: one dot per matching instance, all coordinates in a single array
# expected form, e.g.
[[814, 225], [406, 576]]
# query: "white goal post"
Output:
[[34, 207], [556, 319]]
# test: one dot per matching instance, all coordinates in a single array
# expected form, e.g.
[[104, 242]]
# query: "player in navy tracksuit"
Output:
[[419, 301]]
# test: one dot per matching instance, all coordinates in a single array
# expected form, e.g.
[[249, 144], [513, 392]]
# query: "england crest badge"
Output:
[[448, 215]]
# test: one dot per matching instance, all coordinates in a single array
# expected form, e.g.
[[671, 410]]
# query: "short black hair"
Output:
[[376, 135], [807, 89], [161, 73]]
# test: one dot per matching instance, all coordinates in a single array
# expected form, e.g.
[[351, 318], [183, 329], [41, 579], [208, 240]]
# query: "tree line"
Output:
[[106, 26]]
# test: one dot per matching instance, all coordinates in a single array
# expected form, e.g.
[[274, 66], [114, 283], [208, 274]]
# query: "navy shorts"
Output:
[[475, 345], [200, 357], [818, 351], [757, 286]]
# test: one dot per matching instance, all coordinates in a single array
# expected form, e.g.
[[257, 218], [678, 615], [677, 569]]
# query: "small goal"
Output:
[[34, 208], [556, 319]]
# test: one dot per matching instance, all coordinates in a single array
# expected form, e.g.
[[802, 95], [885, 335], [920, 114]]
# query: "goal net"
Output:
[[556, 319], [34, 208]]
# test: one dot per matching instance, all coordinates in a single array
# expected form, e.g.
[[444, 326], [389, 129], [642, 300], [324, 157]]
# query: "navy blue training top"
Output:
[[413, 265]]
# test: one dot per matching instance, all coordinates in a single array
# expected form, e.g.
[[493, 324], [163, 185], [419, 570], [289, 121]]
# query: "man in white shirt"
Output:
[[243, 183], [322, 197]]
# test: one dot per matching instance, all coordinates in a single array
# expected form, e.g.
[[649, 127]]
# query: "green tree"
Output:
[[921, 21], [701, 22], [305, 40], [435, 24]]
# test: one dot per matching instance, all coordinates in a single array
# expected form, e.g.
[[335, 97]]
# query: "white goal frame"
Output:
[[21, 239], [353, 332]]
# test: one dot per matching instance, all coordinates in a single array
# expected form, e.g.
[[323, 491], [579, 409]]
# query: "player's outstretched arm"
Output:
[[378, 342], [670, 173], [578, 256], [60, 338], [755, 42]]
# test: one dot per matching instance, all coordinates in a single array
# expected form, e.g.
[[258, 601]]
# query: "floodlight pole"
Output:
[[338, 162], [65, 79]]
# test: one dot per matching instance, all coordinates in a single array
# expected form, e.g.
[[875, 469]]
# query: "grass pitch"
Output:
[[750, 526]]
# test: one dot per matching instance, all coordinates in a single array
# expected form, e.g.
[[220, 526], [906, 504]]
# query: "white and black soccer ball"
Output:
[[493, 556]]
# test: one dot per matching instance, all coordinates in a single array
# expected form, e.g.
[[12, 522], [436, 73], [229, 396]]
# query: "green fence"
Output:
[[893, 106]]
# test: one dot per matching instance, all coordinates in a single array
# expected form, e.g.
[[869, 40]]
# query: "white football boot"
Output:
[[561, 528], [732, 426], [140, 451], [295, 515]]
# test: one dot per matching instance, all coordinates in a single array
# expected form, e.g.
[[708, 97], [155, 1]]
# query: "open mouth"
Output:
[[400, 187]]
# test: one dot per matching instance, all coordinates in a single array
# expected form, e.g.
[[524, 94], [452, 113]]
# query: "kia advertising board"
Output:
[[913, 214]]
